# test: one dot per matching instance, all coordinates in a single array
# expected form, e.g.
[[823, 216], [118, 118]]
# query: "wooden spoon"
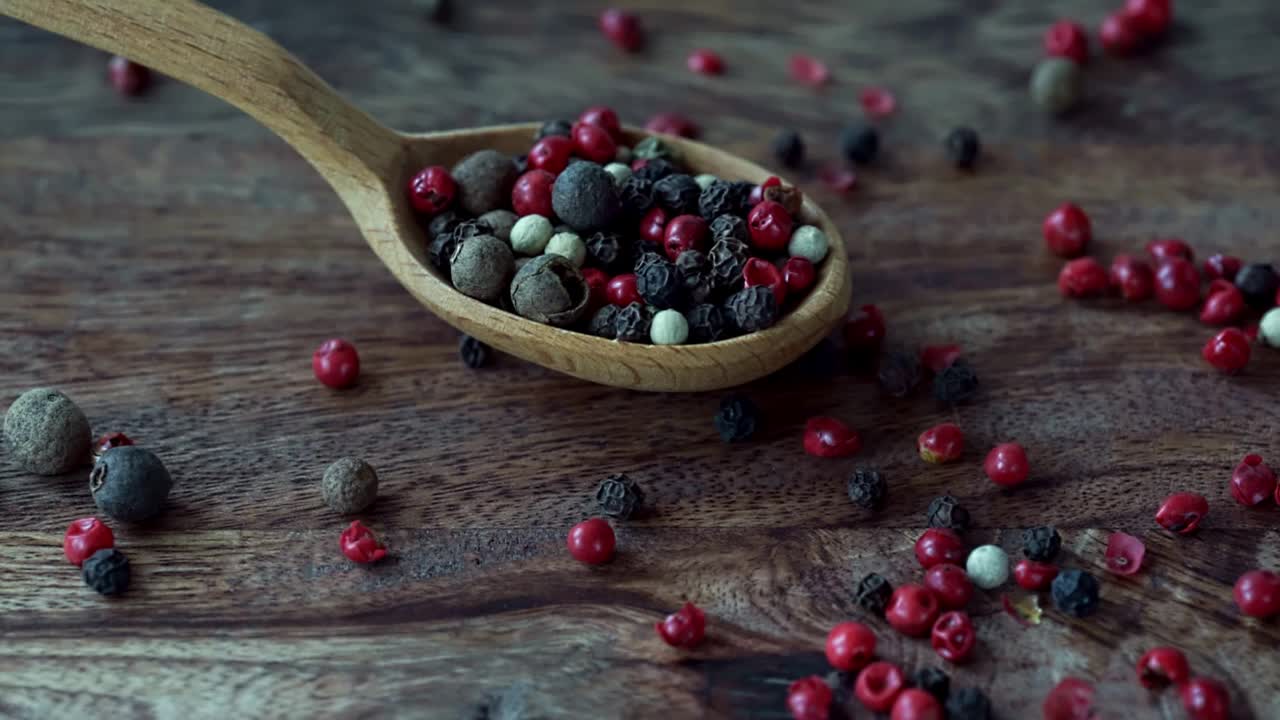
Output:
[[369, 165]]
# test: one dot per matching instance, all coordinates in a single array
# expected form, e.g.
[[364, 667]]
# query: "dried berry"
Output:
[[585, 198], [604, 322], [654, 171], [360, 545], [128, 77], [336, 364], [659, 284], [84, 537], [349, 485], [1041, 544], [859, 143], [736, 420], [788, 148], [731, 227], [873, 593], [754, 308], [107, 572], [562, 128], [721, 198], [484, 181], [655, 148], [445, 244], [46, 433], [678, 193], [968, 704], [963, 147], [955, 384], [706, 323], [685, 628], [867, 488], [947, 512], [694, 273], [1075, 593], [933, 681], [623, 29], [788, 196], [130, 483], [633, 322], [1056, 85], [443, 224], [1258, 283], [637, 197], [728, 259], [481, 267], [619, 496], [474, 353], [668, 328], [987, 566], [607, 251], [549, 289], [899, 373]]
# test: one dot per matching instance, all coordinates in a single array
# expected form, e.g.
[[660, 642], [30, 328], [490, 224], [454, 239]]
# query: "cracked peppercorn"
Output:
[[963, 147], [736, 421], [873, 593], [899, 373], [609, 252], [859, 143], [721, 198], [633, 322], [947, 512], [678, 193], [706, 323], [659, 283], [867, 488], [474, 353], [728, 258], [788, 148], [1075, 592], [107, 572], [754, 308], [604, 322], [956, 383], [933, 681], [732, 227], [968, 704], [1041, 544], [619, 496]]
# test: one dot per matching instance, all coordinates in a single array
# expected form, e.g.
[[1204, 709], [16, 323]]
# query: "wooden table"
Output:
[[171, 266]]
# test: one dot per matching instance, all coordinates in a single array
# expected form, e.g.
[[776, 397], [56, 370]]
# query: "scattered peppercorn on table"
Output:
[[170, 266]]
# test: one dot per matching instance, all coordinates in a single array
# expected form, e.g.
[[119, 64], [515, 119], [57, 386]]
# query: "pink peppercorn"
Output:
[[1132, 278], [551, 153], [1257, 593], [127, 77], [808, 70], [672, 124], [809, 699], [593, 143], [706, 62], [1151, 18], [1252, 482], [432, 190], [1161, 250], [84, 537], [1182, 512], [653, 226], [592, 542], [1006, 465], [1223, 306], [1228, 351], [877, 102], [762, 272], [531, 195], [604, 117], [621, 290], [1067, 231], [1222, 266], [770, 225], [1118, 35], [684, 232], [360, 545], [1067, 39], [336, 364], [798, 273], [838, 178], [1082, 277], [623, 29], [827, 437], [685, 628], [597, 283], [864, 334], [1177, 284]]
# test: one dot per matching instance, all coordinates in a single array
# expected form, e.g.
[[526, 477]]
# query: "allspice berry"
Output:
[[549, 289], [129, 483], [585, 198], [481, 267], [501, 221], [349, 485], [484, 181], [46, 433], [1056, 84]]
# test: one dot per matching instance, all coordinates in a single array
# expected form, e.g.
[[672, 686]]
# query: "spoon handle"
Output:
[[198, 45]]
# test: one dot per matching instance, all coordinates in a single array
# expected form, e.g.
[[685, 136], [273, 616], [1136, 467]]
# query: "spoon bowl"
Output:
[[369, 166]]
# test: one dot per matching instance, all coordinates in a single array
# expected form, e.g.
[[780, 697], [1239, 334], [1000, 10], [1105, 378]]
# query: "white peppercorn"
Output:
[[621, 173], [1270, 327], [669, 328], [549, 289], [46, 433], [704, 180], [987, 566], [1056, 84], [484, 181], [501, 221], [567, 245], [481, 267], [349, 485], [808, 242], [530, 235]]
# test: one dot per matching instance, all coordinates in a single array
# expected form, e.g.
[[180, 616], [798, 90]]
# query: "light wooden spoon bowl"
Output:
[[369, 165]]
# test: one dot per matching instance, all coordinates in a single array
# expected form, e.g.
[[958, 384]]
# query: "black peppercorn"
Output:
[[619, 496], [745, 188], [694, 273], [956, 383], [899, 373], [604, 322], [106, 571], [947, 512], [443, 223], [647, 258], [963, 147], [446, 244], [474, 353], [632, 323], [637, 197], [1041, 544], [788, 148], [730, 227], [678, 193], [728, 257], [1075, 592], [585, 198], [867, 488], [563, 128], [721, 198], [968, 704], [933, 681], [737, 418], [751, 309], [659, 284], [859, 143], [1258, 282], [873, 594], [655, 170], [607, 251], [706, 323]]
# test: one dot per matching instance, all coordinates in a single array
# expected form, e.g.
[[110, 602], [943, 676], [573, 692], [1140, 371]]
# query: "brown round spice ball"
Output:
[[585, 197], [501, 221], [481, 267], [46, 432], [549, 289], [349, 485], [484, 181]]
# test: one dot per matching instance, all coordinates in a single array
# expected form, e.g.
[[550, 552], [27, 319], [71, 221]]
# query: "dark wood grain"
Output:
[[171, 266]]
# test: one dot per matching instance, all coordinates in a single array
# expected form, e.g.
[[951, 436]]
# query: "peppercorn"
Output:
[[668, 327], [1269, 328], [933, 681], [619, 496], [46, 433], [705, 180], [736, 420], [474, 353], [751, 309], [770, 225], [130, 483], [1258, 283], [549, 289], [1075, 592], [808, 242], [621, 173], [501, 222], [899, 373], [562, 128], [987, 566], [720, 198], [624, 156], [585, 198], [859, 143], [658, 283], [431, 190], [520, 163], [484, 181], [947, 512], [632, 323], [678, 193], [443, 224], [349, 485], [606, 250], [968, 704], [481, 267], [728, 258], [604, 322], [653, 148], [128, 77], [867, 488], [788, 196], [963, 147], [653, 171], [443, 247], [637, 197], [873, 594], [956, 383], [730, 227], [684, 232], [788, 148], [568, 245], [107, 572], [694, 273], [1041, 544], [530, 235], [1056, 84], [706, 323]]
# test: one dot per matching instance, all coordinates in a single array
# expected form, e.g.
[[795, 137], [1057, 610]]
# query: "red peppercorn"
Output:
[[878, 686], [685, 628], [953, 637], [685, 232], [916, 704], [827, 437], [592, 542], [551, 153], [1223, 305], [706, 62], [1161, 667], [1252, 482], [1118, 34], [1032, 575], [1083, 277], [808, 70], [770, 225], [127, 77], [1071, 699], [1222, 266], [1067, 231], [950, 584], [798, 273], [877, 102], [1257, 593], [360, 545], [108, 441], [1067, 39], [865, 332], [653, 226], [1150, 18], [621, 290], [603, 117], [85, 537], [939, 545], [531, 195], [1124, 554], [941, 443], [850, 646], [1132, 277], [1177, 284], [623, 29], [597, 283], [1205, 699], [336, 364], [757, 193], [1164, 249], [1182, 512], [911, 610], [838, 178], [593, 143], [1228, 351], [1006, 465], [757, 271], [432, 190], [937, 358], [809, 699], [672, 124]]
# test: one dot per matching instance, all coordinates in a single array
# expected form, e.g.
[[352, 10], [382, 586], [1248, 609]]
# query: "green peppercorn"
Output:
[[652, 148], [810, 243], [129, 483], [349, 485], [530, 235], [481, 267], [484, 181], [621, 173], [1056, 84], [46, 432], [501, 221], [549, 289], [107, 572], [705, 180], [585, 198], [568, 245]]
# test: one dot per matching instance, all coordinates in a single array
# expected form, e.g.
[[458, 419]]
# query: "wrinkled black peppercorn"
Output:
[[867, 488], [619, 496], [107, 571], [956, 383], [1258, 282], [947, 512], [474, 353], [607, 251], [645, 259], [659, 284], [721, 198], [637, 197], [694, 273], [706, 324], [655, 170], [442, 248], [678, 193], [788, 148], [737, 418], [604, 322], [933, 681], [1075, 592], [968, 704], [632, 323], [445, 222], [730, 227], [899, 373], [859, 143], [1041, 544], [963, 147], [874, 593], [751, 309], [563, 128]]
